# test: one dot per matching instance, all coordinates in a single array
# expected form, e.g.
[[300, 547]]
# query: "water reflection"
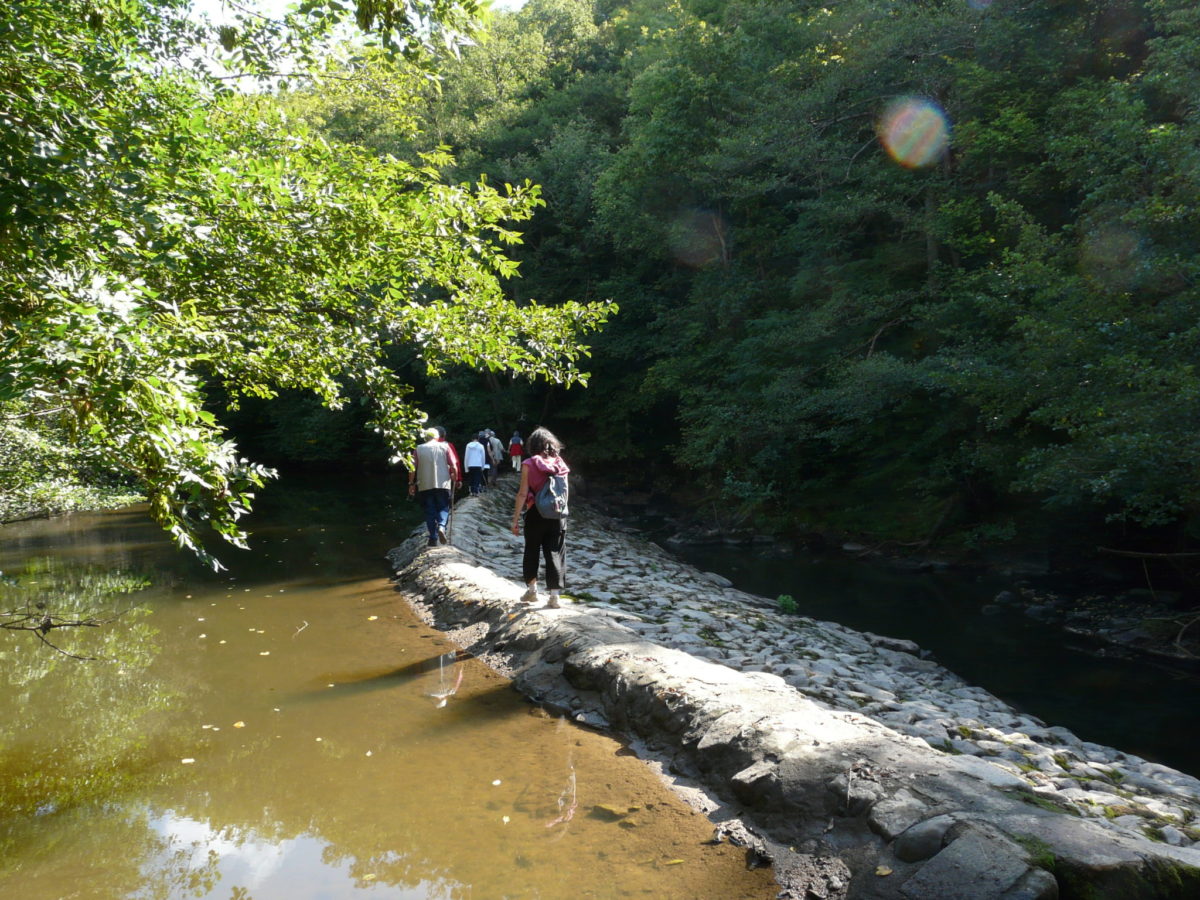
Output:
[[291, 730], [449, 678], [568, 798], [194, 858]]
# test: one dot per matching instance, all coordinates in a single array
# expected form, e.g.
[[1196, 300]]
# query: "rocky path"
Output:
[[1053, 813]]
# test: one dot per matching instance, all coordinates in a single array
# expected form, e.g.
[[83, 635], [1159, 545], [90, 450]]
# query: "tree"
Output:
[[947, 343], [163, 235]]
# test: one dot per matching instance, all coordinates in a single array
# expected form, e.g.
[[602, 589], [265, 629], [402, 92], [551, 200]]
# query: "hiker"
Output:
[[542, 536], [431, 479], [453, 454], [496, 452], [515, 449], [475, 459]]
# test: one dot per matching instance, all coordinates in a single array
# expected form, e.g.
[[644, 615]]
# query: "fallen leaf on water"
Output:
[[265, 653], [370, 753], [368, 878], [883, 870], [673, 862], [372, 618], [496, 783], [188, 761], [239, 724]]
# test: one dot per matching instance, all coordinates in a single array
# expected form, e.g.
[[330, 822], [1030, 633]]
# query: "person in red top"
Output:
[[515, 449], [545, 537]]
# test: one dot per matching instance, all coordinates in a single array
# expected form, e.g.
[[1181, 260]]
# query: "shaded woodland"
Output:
[[995, 343], [923, 273]]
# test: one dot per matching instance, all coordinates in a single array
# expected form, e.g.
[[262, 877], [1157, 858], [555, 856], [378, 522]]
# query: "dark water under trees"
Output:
[[1138, 706], [291, 730]]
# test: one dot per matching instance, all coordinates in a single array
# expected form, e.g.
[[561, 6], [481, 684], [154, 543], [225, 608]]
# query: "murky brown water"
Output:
[[292, 731]]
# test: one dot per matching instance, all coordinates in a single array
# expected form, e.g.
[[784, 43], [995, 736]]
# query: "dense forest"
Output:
[[920, 272]]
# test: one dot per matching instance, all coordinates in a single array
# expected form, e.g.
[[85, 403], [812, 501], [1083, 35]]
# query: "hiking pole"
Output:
[[450, 524]]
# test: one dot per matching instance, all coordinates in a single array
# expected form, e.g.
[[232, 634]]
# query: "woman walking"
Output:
[[545, 537]]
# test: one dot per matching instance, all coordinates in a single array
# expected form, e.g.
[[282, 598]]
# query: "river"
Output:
[[288, 729], [1137, 705]]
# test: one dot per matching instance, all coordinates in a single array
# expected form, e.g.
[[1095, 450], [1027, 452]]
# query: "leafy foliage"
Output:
[[163, 236], [43, 472]]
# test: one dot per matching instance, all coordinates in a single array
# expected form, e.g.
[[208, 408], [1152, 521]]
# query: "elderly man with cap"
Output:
[[432, 478], [495, 453]]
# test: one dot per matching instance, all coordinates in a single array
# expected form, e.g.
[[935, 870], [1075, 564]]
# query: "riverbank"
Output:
[[1128, 605], [43, 500], [887, 774]]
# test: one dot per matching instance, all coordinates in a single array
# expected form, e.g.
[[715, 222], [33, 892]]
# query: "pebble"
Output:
[[631, 581]]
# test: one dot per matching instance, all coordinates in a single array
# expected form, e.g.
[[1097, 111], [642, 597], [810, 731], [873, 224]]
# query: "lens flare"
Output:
[[698, 237], [914, 131], [1111, 256]]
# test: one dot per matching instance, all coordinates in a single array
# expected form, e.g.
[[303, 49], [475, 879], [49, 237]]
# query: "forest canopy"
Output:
[[901, 269]]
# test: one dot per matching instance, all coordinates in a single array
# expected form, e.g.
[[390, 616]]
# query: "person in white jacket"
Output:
[[474, 461]]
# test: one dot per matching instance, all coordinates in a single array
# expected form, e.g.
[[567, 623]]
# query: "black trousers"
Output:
[[544, 537]]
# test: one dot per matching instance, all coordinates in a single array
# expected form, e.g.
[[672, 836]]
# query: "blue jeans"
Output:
[[436, 503]]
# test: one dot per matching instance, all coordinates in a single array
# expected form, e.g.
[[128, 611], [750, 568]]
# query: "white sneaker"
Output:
[[552, 603], [530, 596]]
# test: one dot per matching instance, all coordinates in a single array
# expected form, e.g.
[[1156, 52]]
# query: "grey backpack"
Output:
[[551, 499]]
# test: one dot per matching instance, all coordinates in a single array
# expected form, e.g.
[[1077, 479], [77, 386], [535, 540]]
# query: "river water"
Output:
[[288, 729], [1135, 705]]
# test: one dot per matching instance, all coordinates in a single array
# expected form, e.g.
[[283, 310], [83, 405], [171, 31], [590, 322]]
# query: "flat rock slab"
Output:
[[832, 794], [973, 867]]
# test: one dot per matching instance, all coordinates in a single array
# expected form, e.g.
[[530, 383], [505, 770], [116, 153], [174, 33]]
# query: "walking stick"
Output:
[[450, 526]]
